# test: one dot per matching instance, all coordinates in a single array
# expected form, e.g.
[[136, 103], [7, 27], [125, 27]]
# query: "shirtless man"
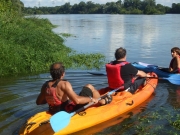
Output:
[[60, 96], [174, 65]]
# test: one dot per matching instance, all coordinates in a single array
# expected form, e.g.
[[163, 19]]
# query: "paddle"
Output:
[[97, 73], [171, 79], [61, 119]]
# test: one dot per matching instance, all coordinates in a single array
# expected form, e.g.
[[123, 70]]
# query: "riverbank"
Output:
[[29, 45]]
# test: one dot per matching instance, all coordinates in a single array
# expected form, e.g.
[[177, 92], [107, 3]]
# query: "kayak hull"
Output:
[[153, 68], [121, 103]]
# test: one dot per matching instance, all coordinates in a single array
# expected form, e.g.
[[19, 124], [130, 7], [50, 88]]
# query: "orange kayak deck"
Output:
[[122, 102]]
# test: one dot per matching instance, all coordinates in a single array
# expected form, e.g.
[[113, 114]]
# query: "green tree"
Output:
[[91, 7], [160, 8], [136, 4], [175, 8], [151, 3], [127, 3], [67, 8], [119, 2], [113, 8], [75, 9], [82, 7], [150, 10]]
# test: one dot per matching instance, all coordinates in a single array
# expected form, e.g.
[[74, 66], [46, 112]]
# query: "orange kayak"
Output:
[[122, 102]]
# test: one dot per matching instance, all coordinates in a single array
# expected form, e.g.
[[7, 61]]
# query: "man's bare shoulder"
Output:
[[64, 85]]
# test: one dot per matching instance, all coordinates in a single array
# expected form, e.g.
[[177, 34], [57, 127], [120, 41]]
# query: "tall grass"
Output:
[[28, 45]]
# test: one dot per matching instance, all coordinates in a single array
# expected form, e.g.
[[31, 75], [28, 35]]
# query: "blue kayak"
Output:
[[161, 72]]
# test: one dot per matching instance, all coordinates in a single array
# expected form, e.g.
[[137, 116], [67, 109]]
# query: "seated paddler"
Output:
[[60, 96], [122, 73]]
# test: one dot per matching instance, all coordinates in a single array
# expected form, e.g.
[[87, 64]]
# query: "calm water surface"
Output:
[[146, 38]]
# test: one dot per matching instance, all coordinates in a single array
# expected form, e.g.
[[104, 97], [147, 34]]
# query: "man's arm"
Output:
[[142, 74], [136, 72], [67, 88], [171, 65], [41, 97], [178, 64]]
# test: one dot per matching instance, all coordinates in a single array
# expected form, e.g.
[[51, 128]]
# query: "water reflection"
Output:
[[142, 35], [174, 98]]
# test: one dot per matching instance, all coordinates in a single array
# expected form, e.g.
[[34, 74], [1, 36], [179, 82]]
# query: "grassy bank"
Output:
[[28, 45]]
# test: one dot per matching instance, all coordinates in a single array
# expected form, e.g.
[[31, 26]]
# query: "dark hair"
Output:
[[178, 51], [174, 49], [120, 53], [56, 70]]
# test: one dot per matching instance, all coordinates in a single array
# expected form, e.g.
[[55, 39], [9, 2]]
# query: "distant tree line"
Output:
[[119, 7]]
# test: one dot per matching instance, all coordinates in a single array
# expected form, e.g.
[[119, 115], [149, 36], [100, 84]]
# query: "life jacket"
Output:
[[56, 105], [114, 74], [51, 97]]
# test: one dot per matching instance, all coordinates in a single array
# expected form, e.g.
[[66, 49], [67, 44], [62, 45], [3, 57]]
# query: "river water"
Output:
[[147, 38]]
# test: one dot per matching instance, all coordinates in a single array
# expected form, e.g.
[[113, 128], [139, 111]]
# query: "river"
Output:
[[147, 38]]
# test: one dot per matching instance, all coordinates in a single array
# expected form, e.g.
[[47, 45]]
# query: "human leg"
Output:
[[134, 86], [89, 90], [94, 91]]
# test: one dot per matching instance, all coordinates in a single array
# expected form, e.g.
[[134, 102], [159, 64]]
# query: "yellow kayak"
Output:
[[121, 102]]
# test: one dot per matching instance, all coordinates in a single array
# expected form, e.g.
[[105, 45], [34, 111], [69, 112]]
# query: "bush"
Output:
[[28, 45]]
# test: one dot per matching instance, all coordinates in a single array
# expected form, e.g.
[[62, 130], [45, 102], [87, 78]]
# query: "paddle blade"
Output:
[[60, 120], [174, 81]]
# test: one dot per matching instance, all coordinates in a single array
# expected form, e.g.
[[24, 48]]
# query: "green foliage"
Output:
[[161, 8], [150, 10], [28, 45], [176, 123], [12, 6], [87, 61], [5, 5], [175, 8], [66, 35], [159, 122]]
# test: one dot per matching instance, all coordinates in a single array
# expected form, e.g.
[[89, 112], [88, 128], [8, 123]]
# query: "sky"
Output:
[[52, 3]]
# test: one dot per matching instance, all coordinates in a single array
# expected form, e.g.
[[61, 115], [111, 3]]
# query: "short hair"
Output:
[[120, 53], [56, 70]]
